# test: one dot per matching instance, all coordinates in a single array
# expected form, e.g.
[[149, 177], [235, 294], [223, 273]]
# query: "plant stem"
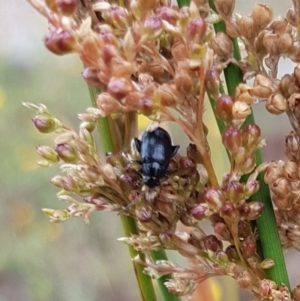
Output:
[[129, 226], [267, 228]]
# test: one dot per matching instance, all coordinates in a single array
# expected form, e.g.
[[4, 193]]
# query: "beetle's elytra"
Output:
[[156, 150]]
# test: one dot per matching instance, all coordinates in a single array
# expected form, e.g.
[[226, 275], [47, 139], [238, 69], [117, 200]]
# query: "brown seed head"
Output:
[[273, 172], [270, 42], [263, 86], [262, 15], [232, 253], [214, 197], [211, 242], [244, 229], [201, 211], [285, 43], [281, 187], [240, 110], [279, 25], [228, 212], [232, 29], [250, 135], [246, 27], [292, 17], [222, 46], [225, 8], [244, 279], [251, 211], [285, 84], [244, 93], [107, 104], [212, 83], [248, 247], [119, 88], [293, 233], [179, 51], [61, 42], [282, 203], [290, 170], [183, 82], [276, 104], [292, 142], [222, 232]]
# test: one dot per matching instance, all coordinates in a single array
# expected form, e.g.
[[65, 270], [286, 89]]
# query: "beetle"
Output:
[[156, 150]]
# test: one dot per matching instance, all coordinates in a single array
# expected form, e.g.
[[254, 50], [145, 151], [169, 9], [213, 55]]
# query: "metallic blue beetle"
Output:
[[156, 150]]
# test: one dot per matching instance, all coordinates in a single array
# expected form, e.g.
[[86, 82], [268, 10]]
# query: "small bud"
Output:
[[244, 279], [249, 165], [144, 214], [285, 84], [168, 94], [251, 211], [282, 203], [119, 16], [214, 197], [167, 14], [266, 287], [251, 188], [90, 75], [232, 253], [225, 8], [183, 82], [44, 123], [212, 83], [66, 152], [232, 139], [244, 93], [244, 229], [186, 166], [248, 247], [152, 29], [201, 211], [276, 104], [250, 135], [234, 191], [211, 242], [107, 104], [130, 180], [196, 29], [240, 110], [262, 15], [56, 216], [222, 232], [66, 7], [222, 46], [270, 41], [285, 43], [281, 187], [223, 108], [60, 42], [229, 212], [119, 88], [267, 264], [48, 153]]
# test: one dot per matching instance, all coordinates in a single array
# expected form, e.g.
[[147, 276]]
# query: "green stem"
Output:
[[129, 226], [161, 255], [267, 228]]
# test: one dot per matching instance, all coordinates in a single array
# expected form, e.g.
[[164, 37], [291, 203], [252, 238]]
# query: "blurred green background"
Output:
[[41, 261]]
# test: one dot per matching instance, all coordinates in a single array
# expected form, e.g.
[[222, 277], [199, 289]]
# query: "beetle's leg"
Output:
[[138, 144], [175, 149]]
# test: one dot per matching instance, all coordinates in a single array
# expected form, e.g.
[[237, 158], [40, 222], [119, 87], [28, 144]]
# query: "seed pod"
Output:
[[183, 82], [44, 123], [281, 187], [214, 197], [273, 172], [292, 143], [270, 41], [144, 213], [285, 83], [290, 170], [251, 134], [263, 86], [222, 46], [225, 8], [196, 29], [276, 104], [282, 203], [292, 17], [211, 242], [244, 93], [224, 108], [262, 15], [167, 14], [66, 152], [60, 42], [244, 279], [285, 43], [119, 88], [248, 247], [249, 165], [212, 83], [48, 153], [251, 211], [201, 211], [279, 25], [229, 212], [240, 110], [251, 188], [244, 229], [232, 253], [246, 27], [234, 191], [232, 139], [222, 232], [232, 29]]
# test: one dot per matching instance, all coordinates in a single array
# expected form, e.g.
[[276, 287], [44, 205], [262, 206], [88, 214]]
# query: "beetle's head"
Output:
[[151, 182]]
